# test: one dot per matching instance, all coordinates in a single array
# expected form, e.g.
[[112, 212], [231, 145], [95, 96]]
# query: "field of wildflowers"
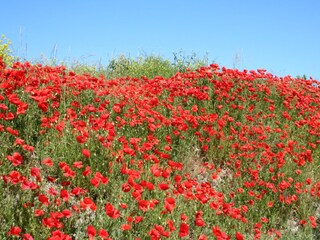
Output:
[[211, 153]]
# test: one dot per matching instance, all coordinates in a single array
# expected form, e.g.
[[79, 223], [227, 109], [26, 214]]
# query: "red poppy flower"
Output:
[[129, 151], [183, 217], [184, 230], [313, 221], [64, 194], [86, 153], [43, 106], [171, 225], [154, 234], [67, 213], [199, 222], [88, 203], [125, 227], [19, 141], [43, 199], [36, 173], [38, 212], [103, 234], [91, 231], [27, 236], [123, 205], [163, 186], [16, 159], [47, 161], [12, 131], [126, 187], [3, 107], [169, 204], [111, 211], [102, 179], [138, 219], [15, 231], [202, 237], [77, 164], [95, 182], [116, 108], [87, 171], [194, 108], [239, 236], [218, 233], [81, 139], [144, 205], [57, 234]]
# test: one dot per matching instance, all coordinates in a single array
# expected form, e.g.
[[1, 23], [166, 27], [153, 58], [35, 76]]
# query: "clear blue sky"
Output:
[[282, 36]]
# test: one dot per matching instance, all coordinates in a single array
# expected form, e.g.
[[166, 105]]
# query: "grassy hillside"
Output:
[[147, 149]]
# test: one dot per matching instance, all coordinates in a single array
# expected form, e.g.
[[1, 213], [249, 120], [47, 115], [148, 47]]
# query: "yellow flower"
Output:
[[5, 51]]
